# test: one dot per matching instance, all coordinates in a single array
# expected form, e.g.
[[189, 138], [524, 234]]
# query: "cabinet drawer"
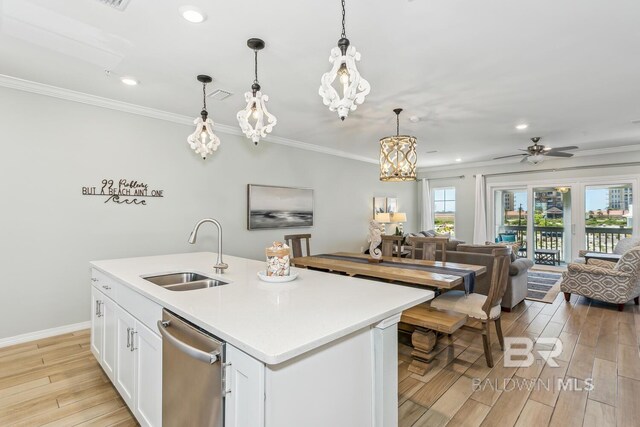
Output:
[[104, 283], [140, 307]]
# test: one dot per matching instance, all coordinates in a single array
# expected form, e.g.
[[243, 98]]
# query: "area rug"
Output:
[[543, 286]]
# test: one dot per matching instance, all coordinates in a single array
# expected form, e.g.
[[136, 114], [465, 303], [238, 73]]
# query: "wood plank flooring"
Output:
[[598, 342], [57, 382]]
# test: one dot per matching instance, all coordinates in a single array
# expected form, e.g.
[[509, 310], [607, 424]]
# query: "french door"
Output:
[[554, 220]]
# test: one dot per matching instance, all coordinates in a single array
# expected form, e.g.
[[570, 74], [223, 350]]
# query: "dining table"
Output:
[[437, 274]]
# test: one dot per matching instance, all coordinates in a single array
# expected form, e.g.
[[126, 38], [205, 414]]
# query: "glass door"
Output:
[[552, 225], [608, 216], [510, 216]]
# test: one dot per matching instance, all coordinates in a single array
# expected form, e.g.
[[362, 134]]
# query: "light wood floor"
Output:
[[599, 343], [56, 381]]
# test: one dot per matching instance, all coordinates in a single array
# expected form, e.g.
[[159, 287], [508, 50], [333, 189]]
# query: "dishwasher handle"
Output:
[[200, 355]]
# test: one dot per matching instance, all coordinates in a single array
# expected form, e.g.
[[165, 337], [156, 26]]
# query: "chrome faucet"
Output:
[[220, 266]]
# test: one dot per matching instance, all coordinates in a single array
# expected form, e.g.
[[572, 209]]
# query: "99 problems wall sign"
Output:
[[123, 192]]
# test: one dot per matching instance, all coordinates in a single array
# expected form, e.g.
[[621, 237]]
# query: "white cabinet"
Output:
[[125, 378], [244, 400], [97, 323], [128, 351], [110, 336], [148, 353]]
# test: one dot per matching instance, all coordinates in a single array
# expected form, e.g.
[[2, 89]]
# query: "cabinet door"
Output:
[[125, 358], [110, 337], [97, 324], [148, 352], [244, 401]]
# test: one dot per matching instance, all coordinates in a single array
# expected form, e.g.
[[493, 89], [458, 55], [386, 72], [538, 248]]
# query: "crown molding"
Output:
[[582, 153], [112, 104]]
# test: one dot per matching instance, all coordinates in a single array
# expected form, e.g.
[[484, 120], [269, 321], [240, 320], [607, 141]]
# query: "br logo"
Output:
[[519, 351]]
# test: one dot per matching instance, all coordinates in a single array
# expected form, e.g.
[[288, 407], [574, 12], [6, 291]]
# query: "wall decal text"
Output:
[[123, 192]]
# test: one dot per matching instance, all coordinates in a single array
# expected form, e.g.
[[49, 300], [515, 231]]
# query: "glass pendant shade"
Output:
[[254, 120], [350, 88], [398, 157], [203, 141]]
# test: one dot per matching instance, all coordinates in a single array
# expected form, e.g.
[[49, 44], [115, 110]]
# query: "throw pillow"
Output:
[[507, 237]]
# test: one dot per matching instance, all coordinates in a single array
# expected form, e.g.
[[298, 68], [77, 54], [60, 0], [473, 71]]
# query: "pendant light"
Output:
[[352, 86], [252, 117], [203, 140], [398, 155]]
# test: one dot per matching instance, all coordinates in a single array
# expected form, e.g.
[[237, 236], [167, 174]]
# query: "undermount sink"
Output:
[[184, 281]]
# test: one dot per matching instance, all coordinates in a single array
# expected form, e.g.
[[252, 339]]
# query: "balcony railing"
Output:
[[598, 239]]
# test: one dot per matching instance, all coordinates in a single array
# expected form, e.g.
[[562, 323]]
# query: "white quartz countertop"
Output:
[[272, 322]]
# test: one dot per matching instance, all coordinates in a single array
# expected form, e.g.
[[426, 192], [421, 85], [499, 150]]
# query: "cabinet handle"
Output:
[[225, 380], [132, 340], [106, 287], [93, 279], [128, 337], [99, 308], [96, 309]]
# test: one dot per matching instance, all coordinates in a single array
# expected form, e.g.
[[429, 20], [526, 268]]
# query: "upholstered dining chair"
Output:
[[391, 242], [613, 282], [480, 307], [295, 243], [425, 247]]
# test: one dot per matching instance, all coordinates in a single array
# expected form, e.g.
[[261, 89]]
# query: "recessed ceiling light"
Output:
[[458, 160], [522, 126], [129, 81], [192, 14]]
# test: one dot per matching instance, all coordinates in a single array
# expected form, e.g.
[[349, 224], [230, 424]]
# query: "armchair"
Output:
[[615, 283]]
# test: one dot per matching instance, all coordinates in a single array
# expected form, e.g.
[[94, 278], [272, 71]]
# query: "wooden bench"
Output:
[[427, 323]]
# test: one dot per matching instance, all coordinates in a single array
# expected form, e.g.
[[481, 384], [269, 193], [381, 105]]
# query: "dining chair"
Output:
[[388, 243], [480, 307], [295, 243], [427, 246]]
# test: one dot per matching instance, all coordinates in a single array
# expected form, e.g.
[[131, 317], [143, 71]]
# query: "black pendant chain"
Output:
[[256, 66], [344, 32], [398, 124], [204, 96]]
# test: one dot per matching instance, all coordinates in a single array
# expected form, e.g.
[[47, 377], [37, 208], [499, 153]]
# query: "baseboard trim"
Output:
[[46, 333]]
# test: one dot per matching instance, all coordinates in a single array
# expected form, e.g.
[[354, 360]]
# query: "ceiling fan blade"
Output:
[[505, 157], [557, 154], [570, 147], [524, 159]]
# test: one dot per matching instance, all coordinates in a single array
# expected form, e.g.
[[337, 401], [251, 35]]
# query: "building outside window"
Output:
[[444, 208]]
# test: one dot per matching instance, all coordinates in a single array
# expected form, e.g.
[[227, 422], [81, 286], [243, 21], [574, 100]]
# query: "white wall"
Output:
[[465, 187], [51, 148]]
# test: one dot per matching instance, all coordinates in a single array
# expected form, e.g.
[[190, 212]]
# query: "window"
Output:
[[444, 203]]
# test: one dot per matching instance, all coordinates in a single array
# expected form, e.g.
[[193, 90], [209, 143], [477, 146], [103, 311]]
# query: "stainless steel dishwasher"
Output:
[[192, 374]]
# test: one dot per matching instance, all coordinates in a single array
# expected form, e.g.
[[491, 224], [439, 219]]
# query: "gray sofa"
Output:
[[482, 255]]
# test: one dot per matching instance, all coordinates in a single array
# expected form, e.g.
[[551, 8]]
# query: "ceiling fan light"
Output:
[[535, 159]]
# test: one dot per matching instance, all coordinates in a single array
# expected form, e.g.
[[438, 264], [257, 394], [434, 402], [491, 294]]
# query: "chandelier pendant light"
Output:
[[398, 155], [255, 121], [203, 141], [353, 88]]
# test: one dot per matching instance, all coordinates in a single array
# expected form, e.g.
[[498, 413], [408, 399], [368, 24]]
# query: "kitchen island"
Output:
[[317, 351]]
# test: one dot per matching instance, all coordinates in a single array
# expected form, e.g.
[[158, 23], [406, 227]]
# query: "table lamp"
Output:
[[399, 218]]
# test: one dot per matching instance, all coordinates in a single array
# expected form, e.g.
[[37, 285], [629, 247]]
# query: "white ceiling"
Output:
[[470, 70]]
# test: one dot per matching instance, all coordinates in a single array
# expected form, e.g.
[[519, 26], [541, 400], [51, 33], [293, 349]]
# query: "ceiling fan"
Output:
[[535, 153]]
